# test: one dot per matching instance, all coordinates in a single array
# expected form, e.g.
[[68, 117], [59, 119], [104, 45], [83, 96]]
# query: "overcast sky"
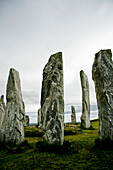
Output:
[[32, 30]]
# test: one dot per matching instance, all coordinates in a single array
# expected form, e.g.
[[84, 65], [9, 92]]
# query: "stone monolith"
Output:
[[2, 110], [102, 74], [26, 120], [52, 101], [73, 115], [14, 120], [85, 118], [39, 117]]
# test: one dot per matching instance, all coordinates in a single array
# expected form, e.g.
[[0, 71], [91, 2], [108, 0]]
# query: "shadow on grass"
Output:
[[10, 147], [59, 149], [69, 132], [106, 144], [33, 134]]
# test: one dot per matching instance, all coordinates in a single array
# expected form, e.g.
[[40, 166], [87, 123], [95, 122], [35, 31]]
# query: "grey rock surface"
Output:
[[73, 115], [14, 119], [26, 120], [85, 118], [39, 117], [52, 101], [2, 110], [102, 74]]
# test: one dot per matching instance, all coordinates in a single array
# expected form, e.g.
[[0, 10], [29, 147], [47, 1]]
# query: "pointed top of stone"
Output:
[[82, 74], [55, 58], [57, 55], [107, 51], [103, 53], [13, 85], [84, 79], [102, 57]]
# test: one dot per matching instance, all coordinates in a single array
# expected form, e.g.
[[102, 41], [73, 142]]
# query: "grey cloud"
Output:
[[30, 31], [30, 97]]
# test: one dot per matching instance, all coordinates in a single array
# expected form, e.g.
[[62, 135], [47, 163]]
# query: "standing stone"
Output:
[[14, 119], [52, 101], [2, 110], [39, 117], [85, 118], [102, 74], [26, 120], [73, 115]]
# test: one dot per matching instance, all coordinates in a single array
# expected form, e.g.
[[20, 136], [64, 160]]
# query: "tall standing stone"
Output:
[[39, 117], [73, 115], [85, 118], [14, 119], [52, 101], [102, 74], [2, 110]]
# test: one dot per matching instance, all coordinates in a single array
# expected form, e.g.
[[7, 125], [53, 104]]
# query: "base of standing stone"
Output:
[[104, 143]]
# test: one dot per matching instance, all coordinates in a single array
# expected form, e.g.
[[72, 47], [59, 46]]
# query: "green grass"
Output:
[[81, 152]]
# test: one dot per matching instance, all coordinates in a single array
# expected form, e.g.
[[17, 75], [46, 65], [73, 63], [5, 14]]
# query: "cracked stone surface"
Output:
[[102, 74], [85, 118], [73, 115], [14, 119], [52, 101]]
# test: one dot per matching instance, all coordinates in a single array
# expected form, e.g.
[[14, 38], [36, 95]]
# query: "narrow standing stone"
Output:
[[26, 120], [52, 101], [39, 117], [85, 118], [73, 115], [102, 74], [14, 119], [2, 110]]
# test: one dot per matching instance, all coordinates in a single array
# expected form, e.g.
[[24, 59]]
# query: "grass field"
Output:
[[79, 152]]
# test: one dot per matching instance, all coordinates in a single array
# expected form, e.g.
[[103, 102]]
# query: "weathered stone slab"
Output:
[[14, 119], [52, 101], [73, 115], [102, 74], [85, 118], [2, 110], [39, 117]]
